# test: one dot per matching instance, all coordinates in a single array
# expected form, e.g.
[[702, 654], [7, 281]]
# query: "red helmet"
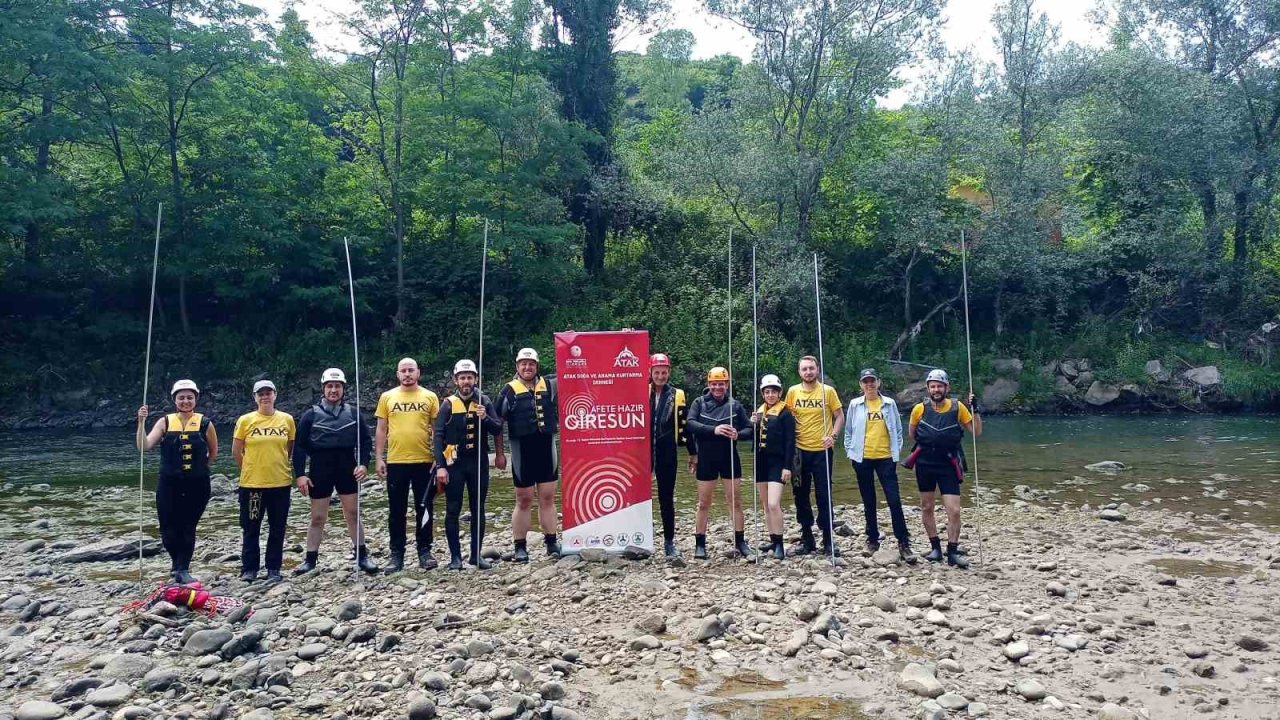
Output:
[[659, 360]]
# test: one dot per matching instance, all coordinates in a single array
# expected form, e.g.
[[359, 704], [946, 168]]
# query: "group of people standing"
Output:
[[424, 447], [793, 436]]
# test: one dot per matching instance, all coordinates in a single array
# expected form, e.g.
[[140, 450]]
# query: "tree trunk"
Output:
[[31, 249], [1213, 232], [895, 352], [1240, 236]]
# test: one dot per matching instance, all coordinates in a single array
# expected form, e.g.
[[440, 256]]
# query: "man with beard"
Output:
[[406, 415], [461, 443], [715, 422], [527, 406], [819, 418], [937, 427]]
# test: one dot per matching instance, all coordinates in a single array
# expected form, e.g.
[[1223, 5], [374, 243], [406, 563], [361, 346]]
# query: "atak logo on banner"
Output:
[[603, 392]]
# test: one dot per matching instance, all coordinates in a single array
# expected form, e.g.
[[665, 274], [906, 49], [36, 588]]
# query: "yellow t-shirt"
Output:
[[410, 416], [266, 449], [963, 415], [807, 405], [876, 440]]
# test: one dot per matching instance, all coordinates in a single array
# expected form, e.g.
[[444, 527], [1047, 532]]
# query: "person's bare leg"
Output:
[[547, 508], [773, 507], [706, 495], [315, 530], [928, 501], [951, 504], [521, 516], [732, 493], [349, 508]]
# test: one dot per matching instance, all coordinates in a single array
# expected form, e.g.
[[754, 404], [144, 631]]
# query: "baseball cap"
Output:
[[868, 373], [263, 385]]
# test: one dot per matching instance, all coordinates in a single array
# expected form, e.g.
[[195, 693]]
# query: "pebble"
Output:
[[551, 690], [1112, 515], [1030, 689], [204, 642], [709, 628], [920, 680], [1017, 650], [953, 701], [978, 709], [160, 679], [40, 710], [348, 610], [311, 651], [885, 603], [110, 696], [481, 673], [646, 642], [1111, 711]]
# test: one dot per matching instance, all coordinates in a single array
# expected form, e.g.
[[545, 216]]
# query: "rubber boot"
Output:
[[248, 575], [775, 546], [699, 547], [308, 564], [274, 576], [480, 563], [455, 562], [935, 550], [362, 559], [873, 546], [521, 554], [426, 560], [955, 558], [553, 547], [182, 576], [396, 564], [669, 547], [740, 544], [828, 548]]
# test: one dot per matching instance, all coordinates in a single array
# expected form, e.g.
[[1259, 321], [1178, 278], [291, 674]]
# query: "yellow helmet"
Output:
[[717, 373]]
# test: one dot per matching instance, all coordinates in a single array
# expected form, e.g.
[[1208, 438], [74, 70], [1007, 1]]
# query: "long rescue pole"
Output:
[[146, 379], [355, 352], [755, 387], [481, 456], [822, 387], [968, 346]]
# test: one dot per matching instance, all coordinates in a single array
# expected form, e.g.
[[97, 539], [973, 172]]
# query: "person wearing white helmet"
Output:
[[819, 418], [262, 446], [329, 432], [666, 437], [461, 444], [775, 429], [406, 415], [937, 426], [188, 446], [527, 406], [873, 443]]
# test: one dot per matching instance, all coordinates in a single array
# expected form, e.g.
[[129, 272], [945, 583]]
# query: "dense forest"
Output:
[[1119, 202]]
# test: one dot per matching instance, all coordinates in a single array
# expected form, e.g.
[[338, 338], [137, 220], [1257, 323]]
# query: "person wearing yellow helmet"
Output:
[[188, 446], [716, 422]]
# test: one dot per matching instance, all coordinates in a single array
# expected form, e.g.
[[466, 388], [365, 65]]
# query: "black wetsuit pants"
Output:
[[665, 462], [180, 503], [462, 477]]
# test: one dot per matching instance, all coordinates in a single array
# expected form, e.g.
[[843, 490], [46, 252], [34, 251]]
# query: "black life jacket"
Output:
[[770, 417], [333, 430], [532, 412], [184, 450], [669, 416], [940, 433], [461, 430]]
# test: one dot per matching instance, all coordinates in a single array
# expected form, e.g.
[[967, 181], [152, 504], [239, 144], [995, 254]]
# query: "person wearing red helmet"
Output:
[[666, 436]]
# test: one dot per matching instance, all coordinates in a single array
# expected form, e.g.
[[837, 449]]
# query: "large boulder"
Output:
[[1009, 367], [1084, 379], [908, 396], [1069, 369], [1156, 370], [1205, 376], [1063, 386], [110, 550], [1100, 393], [998, 394]]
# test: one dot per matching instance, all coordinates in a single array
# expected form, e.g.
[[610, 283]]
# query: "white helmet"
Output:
[[464, 366], [939, 375], [769, 381], [333, 375], [527, 354], [184, 385]]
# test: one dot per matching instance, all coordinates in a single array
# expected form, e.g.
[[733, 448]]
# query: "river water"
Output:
[[1201, 464]]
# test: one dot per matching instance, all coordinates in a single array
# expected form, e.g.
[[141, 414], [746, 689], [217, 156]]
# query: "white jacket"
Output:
[[855, 427]]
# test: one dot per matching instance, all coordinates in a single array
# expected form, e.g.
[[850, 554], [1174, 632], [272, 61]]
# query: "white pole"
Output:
[[755, 386], [146, 379], [481, 457], [822, 386], [968, 346], [733, 444], [355, 349]]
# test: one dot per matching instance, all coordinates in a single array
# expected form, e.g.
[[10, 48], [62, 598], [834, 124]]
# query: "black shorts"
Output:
[[931, 478], [717, 466], [533, 460], [769, 469], [331, 469]]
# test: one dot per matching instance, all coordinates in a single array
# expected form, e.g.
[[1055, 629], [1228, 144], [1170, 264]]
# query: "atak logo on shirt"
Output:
[[809, 403], [269, 432], [408, 407], [626, 359]]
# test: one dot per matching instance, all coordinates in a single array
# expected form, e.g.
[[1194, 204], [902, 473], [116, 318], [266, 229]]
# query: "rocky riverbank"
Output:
[[1073, 612], [1061, 387]]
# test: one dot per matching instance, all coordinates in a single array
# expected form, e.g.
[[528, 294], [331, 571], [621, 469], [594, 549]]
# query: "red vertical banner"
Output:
[[602, 386]]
